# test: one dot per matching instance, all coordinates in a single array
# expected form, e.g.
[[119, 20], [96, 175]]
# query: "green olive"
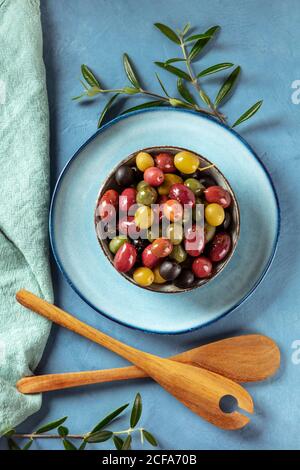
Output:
[[194, 185], [174, 233], [146, 196], [116, 242], [187, 215], [198, 209], [209, 232], [142, 184], [153, 232], [178, 254]]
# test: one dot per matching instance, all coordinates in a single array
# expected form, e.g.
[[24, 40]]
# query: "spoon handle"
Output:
[[64, 319], [50, 382]]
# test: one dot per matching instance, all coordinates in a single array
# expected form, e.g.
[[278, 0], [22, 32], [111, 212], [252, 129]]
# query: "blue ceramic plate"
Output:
[[81, 260]]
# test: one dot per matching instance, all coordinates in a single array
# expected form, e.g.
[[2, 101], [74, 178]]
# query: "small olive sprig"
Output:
[[191, 48], [99, 433]]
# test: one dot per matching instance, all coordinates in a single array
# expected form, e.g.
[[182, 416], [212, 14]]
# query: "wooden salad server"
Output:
[[247, 358], [198, 389]]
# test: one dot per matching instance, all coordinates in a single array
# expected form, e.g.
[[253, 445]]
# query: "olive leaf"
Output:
[[12, 445], [99, 436], [201, 43], [89, 76], [82, 445], [212, 31], [161, 84], [136, 411], [130, 72], [195, 37], [52, 425], [178, 103], [75, 98], [205, 98], [174, 70], [28, 445], [106, 108], [150, 438], [186, 29], [129, 90], [168, 32], [118, 441], [63, 431], [174, 59], [248, 114], [108, 419], [148, 104], [68, 445], [214, 69], [227, 85], [127, 443], [184, 92]]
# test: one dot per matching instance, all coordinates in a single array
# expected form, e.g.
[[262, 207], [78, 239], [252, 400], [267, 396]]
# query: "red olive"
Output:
[[202, 267], [125, 258], [165, 161], [127, 199], [108, 204], [220, 246], [154, 176], [127, 226], [148, 258], [218, 195], [182, 194], [161, 247], [111, 196], [194, 240]]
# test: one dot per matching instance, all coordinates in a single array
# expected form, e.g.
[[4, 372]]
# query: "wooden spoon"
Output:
[[246, 358], [199, 389]]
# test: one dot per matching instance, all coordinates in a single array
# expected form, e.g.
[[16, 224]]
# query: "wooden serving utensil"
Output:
[[246, 358], [198, 389]]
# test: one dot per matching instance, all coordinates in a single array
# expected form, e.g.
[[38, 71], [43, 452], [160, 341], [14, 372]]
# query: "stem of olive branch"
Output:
[[195, 82], [166, 100], [71, 436]]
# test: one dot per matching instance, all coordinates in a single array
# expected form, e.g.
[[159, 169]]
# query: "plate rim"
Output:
[[78, 152]]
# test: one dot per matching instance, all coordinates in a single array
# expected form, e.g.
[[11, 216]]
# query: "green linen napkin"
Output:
[[24, 192]]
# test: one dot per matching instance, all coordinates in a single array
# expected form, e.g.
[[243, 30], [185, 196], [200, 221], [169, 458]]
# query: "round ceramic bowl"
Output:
[[215, 173]]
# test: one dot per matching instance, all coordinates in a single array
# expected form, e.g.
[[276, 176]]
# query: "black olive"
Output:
[[227, 220], [207, 180], [169, 270], [185, 279], [140, 244], [125, 176]]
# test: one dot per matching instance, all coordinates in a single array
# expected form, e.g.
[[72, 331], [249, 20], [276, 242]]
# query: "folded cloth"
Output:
[[24, 192]]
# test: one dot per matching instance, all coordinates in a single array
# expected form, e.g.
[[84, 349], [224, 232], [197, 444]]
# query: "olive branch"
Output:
[[192, 47]]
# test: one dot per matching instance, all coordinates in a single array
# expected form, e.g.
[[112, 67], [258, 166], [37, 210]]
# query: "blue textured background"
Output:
[[262, 38]]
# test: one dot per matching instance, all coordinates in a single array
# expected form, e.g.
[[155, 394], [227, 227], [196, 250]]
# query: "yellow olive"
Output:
[[144, 217], [214, 214], [143, 276], [158, 279], [169, 180], [186, 162], [144, 160]]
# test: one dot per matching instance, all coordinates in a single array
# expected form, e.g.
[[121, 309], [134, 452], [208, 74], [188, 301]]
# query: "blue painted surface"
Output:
[[262, 37]]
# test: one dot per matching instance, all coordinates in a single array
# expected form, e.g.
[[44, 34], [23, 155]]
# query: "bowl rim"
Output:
[[90, 139], [219, 268]]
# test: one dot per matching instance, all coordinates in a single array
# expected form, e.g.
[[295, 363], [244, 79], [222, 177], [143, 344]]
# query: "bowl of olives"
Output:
[[167, 219]]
